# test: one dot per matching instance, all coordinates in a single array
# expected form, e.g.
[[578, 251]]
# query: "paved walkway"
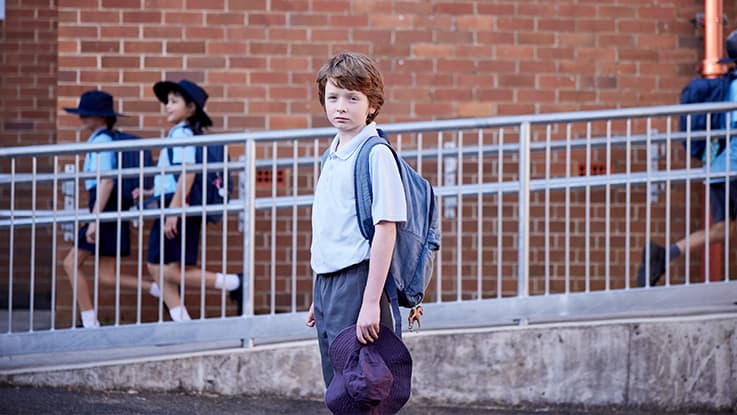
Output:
[[48, 401]]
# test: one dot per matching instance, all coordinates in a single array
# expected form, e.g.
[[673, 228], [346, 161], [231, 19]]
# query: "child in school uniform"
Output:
[[185, 110], [96, 115], [350, 272]]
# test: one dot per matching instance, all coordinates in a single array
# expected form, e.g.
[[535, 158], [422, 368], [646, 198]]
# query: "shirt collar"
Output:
[[182, 124], [96, 133], [345, 152]]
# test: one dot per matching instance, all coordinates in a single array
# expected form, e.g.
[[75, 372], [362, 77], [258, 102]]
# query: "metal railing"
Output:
[[525, 238]]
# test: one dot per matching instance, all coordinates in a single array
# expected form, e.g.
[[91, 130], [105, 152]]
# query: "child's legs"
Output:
[[108, 276], [337, 302], [70, 267], [168, 284], [717, 193]]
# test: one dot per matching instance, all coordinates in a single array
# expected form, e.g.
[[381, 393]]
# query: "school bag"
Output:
[[702, 90], [418, 239], [131, 159], [214, 181]]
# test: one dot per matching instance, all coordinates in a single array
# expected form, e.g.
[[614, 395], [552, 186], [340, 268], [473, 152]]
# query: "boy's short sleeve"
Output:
[[107, 158], [389, 203]]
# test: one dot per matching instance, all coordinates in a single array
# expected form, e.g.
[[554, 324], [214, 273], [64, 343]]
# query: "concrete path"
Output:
[[48, 401]]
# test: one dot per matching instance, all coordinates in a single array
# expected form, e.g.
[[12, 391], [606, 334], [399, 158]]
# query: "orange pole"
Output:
[[713, 46], [713, 39]]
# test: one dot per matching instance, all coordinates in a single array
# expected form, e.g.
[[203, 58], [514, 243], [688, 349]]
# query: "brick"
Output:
[[225, 19], [98, 46], [185, 47], [163, 4], [257, 48], [187, 18], [386, 36], [121, 4], [143, 47], [120, 62], [280, 34], [142, 17], [431, 50], [315, 20], [267, 19], [229, 77], [455, 8], [119, 31], [245, 33], [269, 78], [194, 76], [163, 62], [247, 62], [556, 25], [390, 21], [249, 5], [162, 32], [226, 48], [515, 24], [496, 8], [208, 62], [204, 32], [206, 4], [475, 22], [99, 16], [331, 6]]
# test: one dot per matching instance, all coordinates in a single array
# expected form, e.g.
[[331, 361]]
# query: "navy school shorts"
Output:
[[717, 193], [173, 247], [107, 231]]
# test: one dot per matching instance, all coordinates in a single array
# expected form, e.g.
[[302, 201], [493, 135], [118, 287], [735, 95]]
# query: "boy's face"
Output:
[[347, 110], [91, 123]]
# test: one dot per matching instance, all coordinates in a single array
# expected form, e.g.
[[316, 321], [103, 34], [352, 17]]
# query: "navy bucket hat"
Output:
[[95, 104], [731, 45], [369, 379], [190, 91]]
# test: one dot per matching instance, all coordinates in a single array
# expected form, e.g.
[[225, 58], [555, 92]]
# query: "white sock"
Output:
[[179, 313], [229, 281], [89, 319], [154, 290]]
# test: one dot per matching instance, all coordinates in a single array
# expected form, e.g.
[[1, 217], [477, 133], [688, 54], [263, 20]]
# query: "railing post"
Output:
[[523, 251], [248, 226]]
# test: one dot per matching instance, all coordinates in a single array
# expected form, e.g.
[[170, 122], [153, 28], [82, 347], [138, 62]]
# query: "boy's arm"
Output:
[[184, 184], [382, 247], [104, 190]]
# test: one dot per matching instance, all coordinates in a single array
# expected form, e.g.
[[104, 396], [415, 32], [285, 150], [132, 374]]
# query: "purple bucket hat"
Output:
[[369, 379]]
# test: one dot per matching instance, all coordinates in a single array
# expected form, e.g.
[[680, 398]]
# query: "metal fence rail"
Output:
[[526, 238]]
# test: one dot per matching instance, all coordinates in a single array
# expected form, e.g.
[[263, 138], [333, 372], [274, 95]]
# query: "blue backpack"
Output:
[[702, 90], [418, 239], [131, 159], [215, 180]]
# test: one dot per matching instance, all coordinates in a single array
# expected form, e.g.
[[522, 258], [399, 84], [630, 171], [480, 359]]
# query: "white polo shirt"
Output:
[[336, 238]]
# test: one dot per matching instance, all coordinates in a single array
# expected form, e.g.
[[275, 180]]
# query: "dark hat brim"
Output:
[[727, 60], [87, 113]]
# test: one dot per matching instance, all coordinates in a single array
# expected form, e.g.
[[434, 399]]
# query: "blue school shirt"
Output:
[[180, 155], [719, 165], [107, 160], [337, 242]]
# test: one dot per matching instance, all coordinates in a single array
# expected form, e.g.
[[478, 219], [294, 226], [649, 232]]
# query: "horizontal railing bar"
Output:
[[233, 166], [396, 128], [492, 188], [236, 166]]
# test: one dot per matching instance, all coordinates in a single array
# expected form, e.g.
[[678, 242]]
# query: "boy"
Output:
[[724, 222], [350, 272]]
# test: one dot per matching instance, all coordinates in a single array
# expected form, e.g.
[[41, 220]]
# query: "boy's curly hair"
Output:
[[355, 72]]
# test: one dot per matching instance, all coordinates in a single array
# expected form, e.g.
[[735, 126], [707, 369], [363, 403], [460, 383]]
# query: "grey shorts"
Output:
[[337, 302]]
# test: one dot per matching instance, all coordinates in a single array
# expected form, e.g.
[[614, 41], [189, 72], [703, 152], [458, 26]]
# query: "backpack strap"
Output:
[[364, 198]]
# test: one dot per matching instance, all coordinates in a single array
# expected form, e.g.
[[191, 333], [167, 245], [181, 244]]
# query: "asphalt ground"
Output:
[[48, 401]]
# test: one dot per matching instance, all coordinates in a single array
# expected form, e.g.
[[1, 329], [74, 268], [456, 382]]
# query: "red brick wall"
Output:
[[27, 117], [258, 59]]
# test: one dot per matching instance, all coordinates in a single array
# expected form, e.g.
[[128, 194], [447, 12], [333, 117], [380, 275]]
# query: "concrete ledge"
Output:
[[662, 364]]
